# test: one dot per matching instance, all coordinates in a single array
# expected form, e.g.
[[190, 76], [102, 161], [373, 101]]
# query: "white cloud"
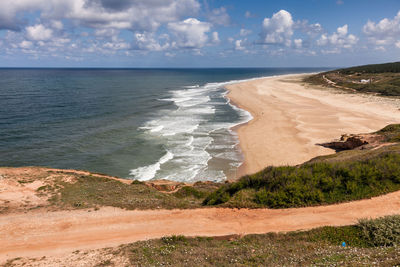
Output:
[[385, 32], [116, 45], [190, 33], [310, 29], [398, 44], [215, 38], [323, 40], [10, 8], [219, 16], [298, 43], [380, 48], [278, 29], [107, 18], [239, 45], [342, 31], [26, 44], [169, 54], [244, 32], [140, 15], [248, 14], [39, 33], [107, 32], [147, 41], [338, 39], [56, 24]]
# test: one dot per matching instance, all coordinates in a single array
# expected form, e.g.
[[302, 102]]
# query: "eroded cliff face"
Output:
[[355, 141]]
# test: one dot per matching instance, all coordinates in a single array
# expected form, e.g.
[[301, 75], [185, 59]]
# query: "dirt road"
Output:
[[35, 234]]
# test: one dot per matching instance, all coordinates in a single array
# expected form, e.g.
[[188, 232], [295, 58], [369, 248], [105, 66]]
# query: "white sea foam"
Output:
[[192, 86], [149, 172], [192, 136]]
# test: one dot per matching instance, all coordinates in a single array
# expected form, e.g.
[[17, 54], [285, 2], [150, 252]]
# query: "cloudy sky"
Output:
[[198, 33]]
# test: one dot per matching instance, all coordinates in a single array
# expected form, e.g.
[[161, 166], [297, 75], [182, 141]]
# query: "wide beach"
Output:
[[290, 119]]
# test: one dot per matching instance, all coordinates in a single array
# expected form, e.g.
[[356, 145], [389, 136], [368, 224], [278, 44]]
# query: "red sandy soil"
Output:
[[39, 233]]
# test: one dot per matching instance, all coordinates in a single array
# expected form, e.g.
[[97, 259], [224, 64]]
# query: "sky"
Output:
[[198, 33]]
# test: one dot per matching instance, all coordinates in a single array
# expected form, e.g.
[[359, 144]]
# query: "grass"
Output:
[[313, 183], [317, 247], [344, 176], [320, 247], [391, 133], [92, 192], [385, 78]]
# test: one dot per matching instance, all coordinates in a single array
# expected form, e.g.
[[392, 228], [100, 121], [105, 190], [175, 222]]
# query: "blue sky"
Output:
[[198, 33]]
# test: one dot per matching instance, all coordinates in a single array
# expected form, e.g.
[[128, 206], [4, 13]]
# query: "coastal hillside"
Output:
[[66, 201], [366, 165], [383, 79]]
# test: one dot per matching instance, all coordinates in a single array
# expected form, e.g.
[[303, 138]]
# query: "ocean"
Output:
[[133, 123]]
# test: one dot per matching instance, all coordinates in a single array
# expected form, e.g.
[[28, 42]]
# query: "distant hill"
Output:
[[393, 67], [382, 79]]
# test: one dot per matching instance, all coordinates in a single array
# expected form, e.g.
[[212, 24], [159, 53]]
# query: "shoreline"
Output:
[[289, 119]]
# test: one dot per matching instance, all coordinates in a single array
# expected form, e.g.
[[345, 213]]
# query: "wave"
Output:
[[194, 133], [149, 172]]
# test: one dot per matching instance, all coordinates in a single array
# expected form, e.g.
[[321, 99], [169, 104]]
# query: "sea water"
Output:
[[133, 123]]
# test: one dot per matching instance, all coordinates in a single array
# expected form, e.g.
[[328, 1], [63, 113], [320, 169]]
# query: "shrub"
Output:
[[189, 191], [316, 183], [383, 231]]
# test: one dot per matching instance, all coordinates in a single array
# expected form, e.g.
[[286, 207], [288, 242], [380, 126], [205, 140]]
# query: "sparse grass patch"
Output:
[[317, 247], [383, 79], [90, 191]]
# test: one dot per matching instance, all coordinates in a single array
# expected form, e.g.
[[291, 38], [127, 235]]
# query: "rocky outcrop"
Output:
[[347, 142]]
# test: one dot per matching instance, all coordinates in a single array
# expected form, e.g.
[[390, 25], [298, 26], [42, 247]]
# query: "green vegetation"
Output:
[[393, 67], [317, 247], [382, 79], [382, 232], [391, 133], [70, 190], [92, 192], [344, 176], [313, 183]]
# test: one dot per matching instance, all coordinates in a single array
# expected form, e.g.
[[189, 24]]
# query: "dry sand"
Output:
[[39, 234], [289, 119]]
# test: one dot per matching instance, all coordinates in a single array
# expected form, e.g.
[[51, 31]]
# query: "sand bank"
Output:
[[291, 118]]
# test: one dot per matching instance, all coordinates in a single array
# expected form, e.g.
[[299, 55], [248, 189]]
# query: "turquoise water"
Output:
[[133, 123]]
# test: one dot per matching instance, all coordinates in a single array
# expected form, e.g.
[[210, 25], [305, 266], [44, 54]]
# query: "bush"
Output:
[[189, 191], [316, 183], [383, 231]]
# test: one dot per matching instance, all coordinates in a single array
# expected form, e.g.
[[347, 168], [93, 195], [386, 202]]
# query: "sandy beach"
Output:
[[291, 118]]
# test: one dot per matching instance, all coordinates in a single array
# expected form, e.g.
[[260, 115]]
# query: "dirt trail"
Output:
[[35, 234]]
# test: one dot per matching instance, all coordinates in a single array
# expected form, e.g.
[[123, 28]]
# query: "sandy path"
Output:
[[289, 119], [36, 234]]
